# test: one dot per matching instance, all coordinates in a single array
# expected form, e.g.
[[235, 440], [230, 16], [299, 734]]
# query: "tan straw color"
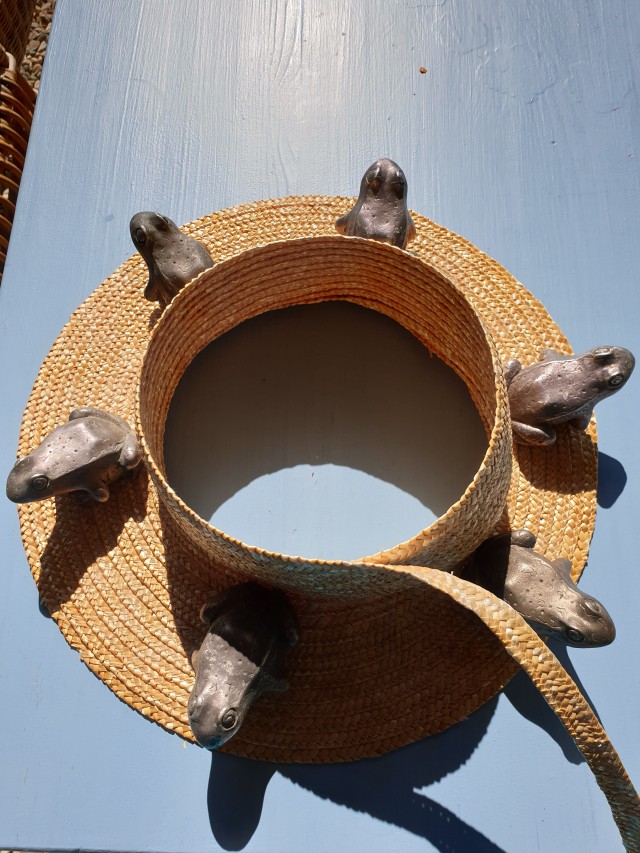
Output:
[[391, 648]]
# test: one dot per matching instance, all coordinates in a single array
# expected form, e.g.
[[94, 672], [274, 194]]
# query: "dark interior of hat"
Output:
[[308, 392]]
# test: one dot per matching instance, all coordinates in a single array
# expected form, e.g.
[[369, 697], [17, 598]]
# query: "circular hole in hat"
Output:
[[307, 457], [307, 271]]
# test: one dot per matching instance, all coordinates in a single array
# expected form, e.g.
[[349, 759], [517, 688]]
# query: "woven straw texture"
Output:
[[125, 583], [372, 275], [390, 651]]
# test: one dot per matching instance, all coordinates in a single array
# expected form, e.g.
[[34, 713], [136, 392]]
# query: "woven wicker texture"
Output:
[[15, 23], [17, 101], [389, 653]]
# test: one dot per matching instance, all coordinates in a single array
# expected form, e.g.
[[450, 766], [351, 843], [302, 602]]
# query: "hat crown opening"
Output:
[[311, 270]]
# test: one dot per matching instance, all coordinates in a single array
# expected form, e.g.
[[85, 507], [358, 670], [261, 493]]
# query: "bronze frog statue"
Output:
[[84, 455], [541, 590], [173, 258], [562, 389], [241, 657], [381, 212]]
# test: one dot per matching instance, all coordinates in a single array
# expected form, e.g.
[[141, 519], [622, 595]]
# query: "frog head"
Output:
[[611, 368], [385, 174], [227, 685], [31, 480]]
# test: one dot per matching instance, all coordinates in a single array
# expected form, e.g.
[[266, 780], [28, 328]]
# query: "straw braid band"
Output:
[[385, 657], [370, 274]]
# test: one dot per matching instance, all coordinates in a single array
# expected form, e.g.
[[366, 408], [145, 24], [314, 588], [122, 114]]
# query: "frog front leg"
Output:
[[527, 434], [90, 493], [130, 454], [91, 412], [523, 537], [552, 355], [582, 421], [511, 369]]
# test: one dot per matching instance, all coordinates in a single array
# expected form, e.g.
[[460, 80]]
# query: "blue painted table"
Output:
[[521, 135]]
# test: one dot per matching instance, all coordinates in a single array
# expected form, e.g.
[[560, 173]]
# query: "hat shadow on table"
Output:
[[384, 787], [387, 788]]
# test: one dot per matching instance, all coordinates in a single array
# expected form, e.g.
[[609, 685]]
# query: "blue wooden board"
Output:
[[522, 135]]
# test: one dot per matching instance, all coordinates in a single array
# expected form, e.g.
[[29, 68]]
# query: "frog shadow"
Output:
[[543, 466], [534, 465], [386, 788], [83, 533], [612, 478]]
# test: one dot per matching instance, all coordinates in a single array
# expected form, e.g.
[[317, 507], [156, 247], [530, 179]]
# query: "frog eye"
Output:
[[140, 237], [229, 719], [39, 483], [374, 178], [602, 353], [616, 380], [399, 185], [574, 636]]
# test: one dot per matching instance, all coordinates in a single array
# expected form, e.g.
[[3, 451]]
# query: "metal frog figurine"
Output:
[[541, 590], [241, 657], [173, 258], [562, 389], [380, 212], [85, 455]]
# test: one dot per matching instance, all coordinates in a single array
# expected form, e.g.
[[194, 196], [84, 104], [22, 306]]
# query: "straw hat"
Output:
[[390, 651]]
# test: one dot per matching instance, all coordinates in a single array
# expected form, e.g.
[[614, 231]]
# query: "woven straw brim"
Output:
[[125, 579]]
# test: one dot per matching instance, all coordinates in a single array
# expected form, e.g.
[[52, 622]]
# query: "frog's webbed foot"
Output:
[[552, 355], [524, 538], [91, 412], [563, 567], [527, 434], [341, 224], [411, 230], [212, 609], [511, 369], [88, 496], [85, 412], [151, 291], [500, 540], [581, 422], [130, 455], [100, 493]]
